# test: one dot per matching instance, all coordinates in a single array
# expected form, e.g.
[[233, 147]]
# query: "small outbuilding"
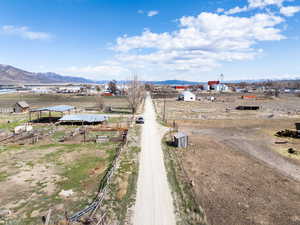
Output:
[[180, 140], [21, 106], [187, 96]]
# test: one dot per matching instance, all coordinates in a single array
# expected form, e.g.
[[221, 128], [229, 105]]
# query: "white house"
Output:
[[206, 87], [220, 87], [187, 96]]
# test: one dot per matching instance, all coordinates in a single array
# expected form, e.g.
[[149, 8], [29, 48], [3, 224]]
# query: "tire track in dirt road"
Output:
[[154, 204]]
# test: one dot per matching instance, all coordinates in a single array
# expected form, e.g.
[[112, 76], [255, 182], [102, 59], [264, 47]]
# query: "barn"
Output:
[[21, 106]]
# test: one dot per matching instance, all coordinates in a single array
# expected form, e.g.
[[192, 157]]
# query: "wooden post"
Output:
[[48, 217], [84, 135]]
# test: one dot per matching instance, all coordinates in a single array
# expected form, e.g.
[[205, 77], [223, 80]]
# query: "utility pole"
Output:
[[164, 113]]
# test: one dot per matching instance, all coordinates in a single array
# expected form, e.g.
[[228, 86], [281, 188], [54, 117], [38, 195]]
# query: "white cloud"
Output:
[[152, 13], [264, 3], [219, 10], [289, 10], [106, 70], [236, 10], [25, 33], [201, 43], [254, 4]]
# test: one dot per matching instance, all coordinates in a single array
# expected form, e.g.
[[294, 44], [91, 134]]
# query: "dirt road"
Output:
[[154, 205]]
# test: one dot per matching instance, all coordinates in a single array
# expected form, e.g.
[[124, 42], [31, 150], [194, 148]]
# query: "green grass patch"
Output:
[[3, 176], [78, 172], [58, 135], [12, 124]]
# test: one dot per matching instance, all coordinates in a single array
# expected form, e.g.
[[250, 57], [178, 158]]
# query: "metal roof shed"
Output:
[[83, 118], [58, 108], [180, 140]]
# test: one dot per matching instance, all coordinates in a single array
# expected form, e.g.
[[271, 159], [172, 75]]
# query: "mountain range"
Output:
[[10, 75], [13, 75]]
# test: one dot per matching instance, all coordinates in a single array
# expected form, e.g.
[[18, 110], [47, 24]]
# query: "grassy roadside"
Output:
[[188, 210], [126, 179], [122, 191]]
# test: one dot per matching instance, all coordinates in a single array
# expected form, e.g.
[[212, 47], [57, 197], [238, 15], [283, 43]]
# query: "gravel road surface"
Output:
[[154, 204]]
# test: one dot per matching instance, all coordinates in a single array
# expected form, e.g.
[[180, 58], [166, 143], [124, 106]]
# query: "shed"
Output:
[[58, 109], [187, 96], [83, 118], [180, 140], [21, 106]]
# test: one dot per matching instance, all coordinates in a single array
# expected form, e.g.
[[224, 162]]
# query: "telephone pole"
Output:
[[164, 113]]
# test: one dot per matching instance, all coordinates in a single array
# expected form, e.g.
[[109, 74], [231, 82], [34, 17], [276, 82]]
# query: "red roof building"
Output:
[[213, 82], [180, 87]]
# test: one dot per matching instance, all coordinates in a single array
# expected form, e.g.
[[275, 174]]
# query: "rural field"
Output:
[[42, 100], [240, 172], [63, 169]]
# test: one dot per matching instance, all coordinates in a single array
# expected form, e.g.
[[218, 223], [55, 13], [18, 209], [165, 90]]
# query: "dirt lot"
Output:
[[224, 108], [237, 189], [240, 175]]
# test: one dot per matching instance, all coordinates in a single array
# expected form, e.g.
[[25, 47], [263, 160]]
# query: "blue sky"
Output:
[[170, 39]]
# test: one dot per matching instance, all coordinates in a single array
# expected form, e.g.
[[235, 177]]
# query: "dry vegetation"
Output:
[[33, 177], [42, 100], [240, 171]]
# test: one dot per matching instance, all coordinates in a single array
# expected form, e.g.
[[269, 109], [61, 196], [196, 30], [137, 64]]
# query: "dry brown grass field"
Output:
[[240, 174]]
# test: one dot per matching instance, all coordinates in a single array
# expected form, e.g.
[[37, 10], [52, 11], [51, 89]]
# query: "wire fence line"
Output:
[[103, 188]]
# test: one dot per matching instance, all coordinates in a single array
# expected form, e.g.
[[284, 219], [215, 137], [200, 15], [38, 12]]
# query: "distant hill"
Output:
[[13, 75]]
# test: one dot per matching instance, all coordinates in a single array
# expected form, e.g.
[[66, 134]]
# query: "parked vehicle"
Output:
[[139, 120]]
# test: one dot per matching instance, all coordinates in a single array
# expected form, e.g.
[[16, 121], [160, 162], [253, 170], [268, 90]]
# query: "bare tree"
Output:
[[135, 93], [100, 103], [112, 86]]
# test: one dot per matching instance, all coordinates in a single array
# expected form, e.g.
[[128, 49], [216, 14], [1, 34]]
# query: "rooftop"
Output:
[[23, 104], [180, 135], [58, 108], [90, 118]]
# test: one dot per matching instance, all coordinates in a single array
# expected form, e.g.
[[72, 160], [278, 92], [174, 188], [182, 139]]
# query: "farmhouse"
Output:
[[187, 96]]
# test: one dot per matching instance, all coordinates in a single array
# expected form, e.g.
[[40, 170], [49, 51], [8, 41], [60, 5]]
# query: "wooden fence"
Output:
[[7, 110]]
